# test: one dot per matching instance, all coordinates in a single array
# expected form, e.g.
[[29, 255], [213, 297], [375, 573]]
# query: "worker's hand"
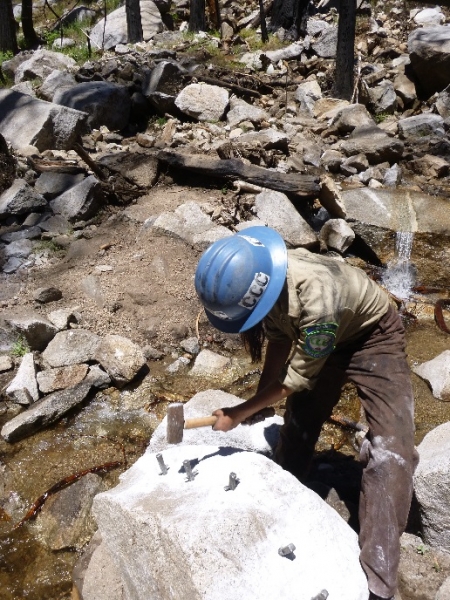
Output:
[[259, 416], [225, 420]]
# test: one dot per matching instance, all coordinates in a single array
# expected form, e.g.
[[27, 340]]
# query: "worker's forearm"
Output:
[[271, 394], [277, 354]]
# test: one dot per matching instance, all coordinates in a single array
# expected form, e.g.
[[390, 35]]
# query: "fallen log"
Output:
[[305, 186]]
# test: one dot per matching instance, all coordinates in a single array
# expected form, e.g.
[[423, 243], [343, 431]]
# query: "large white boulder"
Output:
[[173, 538], [114, 31], [437, 373], [261, 437], [432, 486]]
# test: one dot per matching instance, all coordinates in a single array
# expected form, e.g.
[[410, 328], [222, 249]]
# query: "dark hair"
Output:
[[253, 340]]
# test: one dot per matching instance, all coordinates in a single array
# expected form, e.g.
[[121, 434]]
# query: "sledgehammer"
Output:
[[176, 422]]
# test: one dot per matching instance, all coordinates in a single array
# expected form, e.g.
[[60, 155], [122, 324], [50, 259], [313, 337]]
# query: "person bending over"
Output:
[[326, 323]]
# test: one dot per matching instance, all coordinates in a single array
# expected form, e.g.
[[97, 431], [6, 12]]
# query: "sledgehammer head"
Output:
[[175, 423]]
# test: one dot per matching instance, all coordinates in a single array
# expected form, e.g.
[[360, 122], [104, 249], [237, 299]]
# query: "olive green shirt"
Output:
[[325, 303]]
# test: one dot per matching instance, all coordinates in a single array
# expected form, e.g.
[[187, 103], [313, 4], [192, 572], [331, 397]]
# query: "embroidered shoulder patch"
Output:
[[319, 339]]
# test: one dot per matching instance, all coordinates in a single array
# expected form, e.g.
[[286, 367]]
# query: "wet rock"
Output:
[[52, 126], [178, 365], [277, 211], [429, 50], [44, 412], [41, 63], [421, 126], [80, 202], [71, 347], [250, 533], [100, 100], [210, 363], [378, 213], [65, 520], [374, 143], [114, 31], [437, 373], [36, 330], [47, 294], [20, 199], [120, 357], [51, 380], [191, 224], [432, 486], [337, 234], [202, 101], [23, 388], [95, 575]]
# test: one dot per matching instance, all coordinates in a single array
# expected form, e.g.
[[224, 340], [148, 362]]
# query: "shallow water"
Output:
[[120, 423]]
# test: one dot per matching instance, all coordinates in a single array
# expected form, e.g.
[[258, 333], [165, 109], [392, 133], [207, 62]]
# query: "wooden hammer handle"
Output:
[[199, 422]]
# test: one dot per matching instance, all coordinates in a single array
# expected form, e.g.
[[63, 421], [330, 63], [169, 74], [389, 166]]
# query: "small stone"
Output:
[[6, 363], [47, 294]]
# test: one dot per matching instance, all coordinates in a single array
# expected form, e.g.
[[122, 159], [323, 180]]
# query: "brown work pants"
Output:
[[376, 364]]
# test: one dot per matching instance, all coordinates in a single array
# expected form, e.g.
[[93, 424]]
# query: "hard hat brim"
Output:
[[278, 253]]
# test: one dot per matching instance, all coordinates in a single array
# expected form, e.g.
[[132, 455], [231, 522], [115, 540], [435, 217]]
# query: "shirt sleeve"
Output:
[[315, 343]]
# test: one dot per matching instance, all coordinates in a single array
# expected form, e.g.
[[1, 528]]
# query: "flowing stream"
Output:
[[399, 277]]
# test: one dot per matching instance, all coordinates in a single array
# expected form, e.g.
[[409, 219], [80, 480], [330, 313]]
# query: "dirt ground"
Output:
[[122, 277]]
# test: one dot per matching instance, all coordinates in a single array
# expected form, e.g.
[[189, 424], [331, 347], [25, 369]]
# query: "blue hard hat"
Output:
[[239, 278]]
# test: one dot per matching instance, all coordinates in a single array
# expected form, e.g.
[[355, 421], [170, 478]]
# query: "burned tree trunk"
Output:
[[134, 23], [8, 39], [291, 15], [31, 38], [302, 186], [197, 20], [345, 53]]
